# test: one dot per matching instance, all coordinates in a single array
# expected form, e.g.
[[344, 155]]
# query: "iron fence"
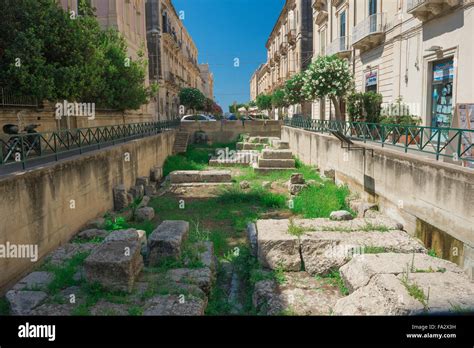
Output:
[[52, 146], [454, 143], [9, 99]]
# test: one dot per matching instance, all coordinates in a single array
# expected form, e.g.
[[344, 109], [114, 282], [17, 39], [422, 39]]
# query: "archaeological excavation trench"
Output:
[[242, 231]]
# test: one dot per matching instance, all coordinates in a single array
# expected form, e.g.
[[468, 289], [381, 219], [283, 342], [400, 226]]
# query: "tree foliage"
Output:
[[293, 90], [192, 98], [328, 76], [53, 55], [279, 99], [264, 102]]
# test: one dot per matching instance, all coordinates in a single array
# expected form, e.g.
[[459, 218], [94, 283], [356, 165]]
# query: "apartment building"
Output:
[[128, 17], [417, 50], [289, 47], [173, 58], [207, 81]]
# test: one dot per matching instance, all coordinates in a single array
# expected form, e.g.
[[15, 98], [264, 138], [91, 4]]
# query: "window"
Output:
[[342, 24]]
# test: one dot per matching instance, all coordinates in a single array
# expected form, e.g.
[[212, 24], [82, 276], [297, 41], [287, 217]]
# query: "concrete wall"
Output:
[[227, 131], [36, 205], [434, 200]]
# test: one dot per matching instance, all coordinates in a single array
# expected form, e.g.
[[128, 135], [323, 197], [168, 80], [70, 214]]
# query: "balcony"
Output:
[[340, 47], [291, 36], [284, 48], [425, 10], [336, 3], [370, 32], [319, 5], [321, 17]]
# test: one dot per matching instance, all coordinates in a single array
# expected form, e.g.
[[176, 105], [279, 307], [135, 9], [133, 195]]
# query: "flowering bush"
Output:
[[328, 76], [293, 90]]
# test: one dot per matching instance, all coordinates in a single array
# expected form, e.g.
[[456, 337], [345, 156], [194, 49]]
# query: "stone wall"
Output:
[[227, 131], [45, 118], [434, 200], [48, 205]]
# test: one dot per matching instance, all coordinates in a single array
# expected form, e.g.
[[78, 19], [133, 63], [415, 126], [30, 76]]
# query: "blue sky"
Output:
[[228, 29]]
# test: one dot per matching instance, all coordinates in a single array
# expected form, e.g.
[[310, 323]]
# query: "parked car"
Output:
[[231, 117], [194, 118]]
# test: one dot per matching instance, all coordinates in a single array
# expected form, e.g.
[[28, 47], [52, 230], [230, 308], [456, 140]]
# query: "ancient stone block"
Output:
[[276, 163], [121, 199], [252, 238], [201, 277], [297, 178], [156, 173], [145, 214], [166, 241], [115, 264], [92, 233], [276, 247], [358, 271], [143, 181], [22, 302], [340, 215], [175, 305]]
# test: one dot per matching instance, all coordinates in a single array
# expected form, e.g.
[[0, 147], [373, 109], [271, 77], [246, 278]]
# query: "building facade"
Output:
[[173, 58], [419, 51], [207, 81], [289, 48]]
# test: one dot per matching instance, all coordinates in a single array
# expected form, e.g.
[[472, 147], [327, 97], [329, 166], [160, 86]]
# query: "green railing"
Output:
[[51, 146], [454, 143]]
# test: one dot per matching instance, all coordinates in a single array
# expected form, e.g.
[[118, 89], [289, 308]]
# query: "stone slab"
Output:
[[196, 176], [358, 271], [174, 305]]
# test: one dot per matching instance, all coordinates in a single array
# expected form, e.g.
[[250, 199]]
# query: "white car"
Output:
[[194, 118]]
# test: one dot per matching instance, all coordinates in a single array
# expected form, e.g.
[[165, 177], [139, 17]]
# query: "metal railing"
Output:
[[373, 24], [454, 143], [341, 44], [52, 146], [9, 99]]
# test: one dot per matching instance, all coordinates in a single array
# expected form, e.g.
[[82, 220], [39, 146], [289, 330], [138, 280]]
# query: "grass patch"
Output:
[[369, 249], [433, 253], [256, 195], [334, 278], [320, 201], [296, 230], [93, 293], [63, 276], [135, 311]]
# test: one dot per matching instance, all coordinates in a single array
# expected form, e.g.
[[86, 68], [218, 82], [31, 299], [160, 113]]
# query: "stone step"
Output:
[[280, 145], [260, 170], [276, 163], [249, 146], [197, 176], [277, 154]]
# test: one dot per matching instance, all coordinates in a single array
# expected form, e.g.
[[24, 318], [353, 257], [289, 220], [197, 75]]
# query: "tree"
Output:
[[328, 76], [264, 102], [54, 55], [279, 99], [192, 98], [293, 90]]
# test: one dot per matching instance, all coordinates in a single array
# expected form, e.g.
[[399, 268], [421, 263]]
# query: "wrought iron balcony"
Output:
[[370, 32], [425, 10], [340, 46]]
